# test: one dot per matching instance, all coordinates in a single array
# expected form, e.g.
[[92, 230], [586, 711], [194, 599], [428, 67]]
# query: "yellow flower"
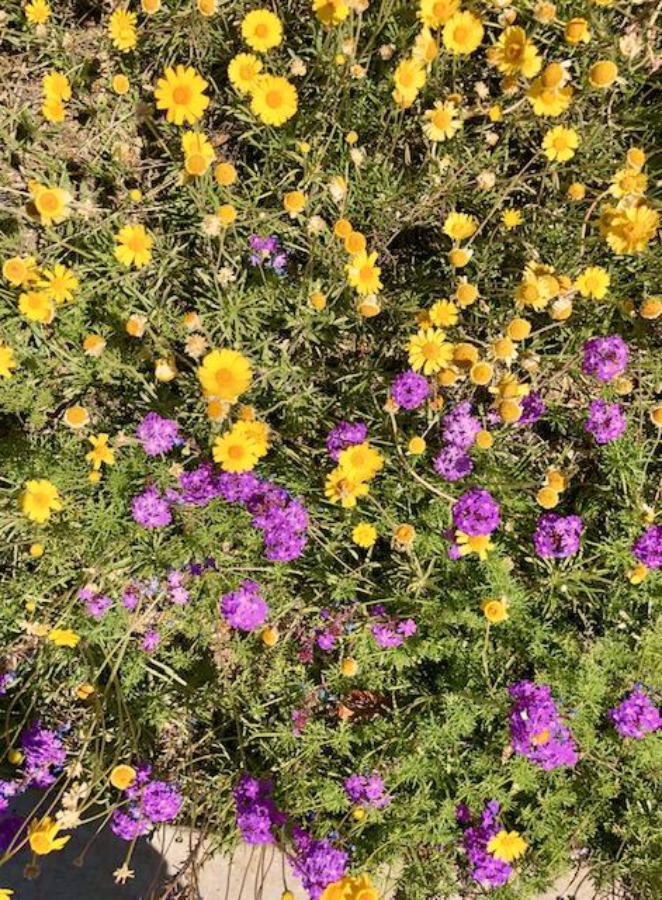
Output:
[[549, 94], [227, 214], [341, 489], [442, 121], [225, 174], [294, 202], [467, 544], [435, 13], [459, 226], [577, 31], [37, 12], [330, 12], [576, 191], [636, 158], [207, 7], [100, 453], [559, 144], [495, 610], [409, 78], [225, 375], [120, 84], [507, 845], [7, 361], [638, 574], [629, 230], [20, 270], [135, 246], [122, 776], [425, 48], [360, 462], [603, 74], [53, 110], [64, 637], [262, 30], [444, 313], [50, 203], [593, 282], [122, 30], [352, 888], [274, 100], [56, 84], [150, 6], [6, 894], [463, 33], [43, 836], [511, 218], [364, 535], [243, 71], [514, 53], [416, 446], [466, 293], [39, 500], [363, 273], [533, 291], [198, 152], [628, 183], [36, 307], [58, 283], [181, 94], [76, 417], [429, 352], [94, 344]]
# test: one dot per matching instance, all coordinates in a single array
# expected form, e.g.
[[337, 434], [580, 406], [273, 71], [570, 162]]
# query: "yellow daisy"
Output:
[[52, 204], [262, 30], [198, 152], [363, 274], [7, 361], [134, 246], [58, 283], [122, 30], [39, 499], [463, 33], [181, 94], [243, 71], [225, 375], [274, 100], [442, 122], [559, 144], [514, 53], [429, 352]]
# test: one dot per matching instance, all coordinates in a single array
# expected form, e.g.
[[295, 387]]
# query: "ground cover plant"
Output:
[[331, 407]]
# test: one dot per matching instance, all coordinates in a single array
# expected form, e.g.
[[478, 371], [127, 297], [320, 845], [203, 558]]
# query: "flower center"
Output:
[[48, 201], [274, 99], [261, 31], [182, 95]]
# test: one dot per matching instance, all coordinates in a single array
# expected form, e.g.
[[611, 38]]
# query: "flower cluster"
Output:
[[536, 728]]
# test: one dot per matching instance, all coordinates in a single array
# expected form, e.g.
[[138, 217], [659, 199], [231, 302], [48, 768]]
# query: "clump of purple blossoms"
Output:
[[151, 510], [316, 862], [245, 608], [605, 357], [410, 389], [485, 868], [344, 435], [43, 755], [367, 790], [158, 435], [255, 811], [150, 641], [9, 789], [648, 547], [636, 715], [536, 729], [533, 408], [460, 427], [476, 512], [557, 536], [151, 803], [391, 632], [605, 422], [96, 604], [452, 463], [6, 681], [267, 252]]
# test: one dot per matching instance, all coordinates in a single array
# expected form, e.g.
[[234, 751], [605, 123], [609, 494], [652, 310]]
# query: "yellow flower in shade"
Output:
[[94, 345], [43, 836], [6, 894], [57, 85], [122, 776], [638, 574], [360, 462], [339, 488], [635, 158], [444, 314], [651, 308], [35, 306], [181, 94], [226, 214], [198, 152], [7, 361], [243, 71], [425, 48], [225, 375], [514, 53], [416, 446], [64, 637], [533, 291], [409, 78], [459, 226], [495, 609], [629, 230], [559, 144], [58, 283], [225, 174], [37, 12], [628, 183], [50, 203], [549, 94], [511, 218], [122, 30], [429, 352], [478, 544], [435, 13], [603, 74], [262, 30], [507, 845], [593, 282], [121, 84], [207, 8], [330, 12], [363, 273], [134, 246], [466, 293], [463, 33], [442, 122], [577, 31], [150, 6], [20, 271], [547, 497], [364, 535], [76, 417], [274, 100], [294, 202], [576, 191], [100, 453]]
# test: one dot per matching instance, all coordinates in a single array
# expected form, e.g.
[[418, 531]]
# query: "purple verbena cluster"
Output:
[[158, 435], [536, 728], [605, 422], [43, 755], [452, 463], [648, 547], [533, 408], [267, 252], [485, 868], [245, 608], [255, 811], [476, 512], [636, 715], [150, 509], [557, 536], [605, 357], [95, 602], [316, 862], [344, 435], [151, 802], [367, 790], [410, 389]]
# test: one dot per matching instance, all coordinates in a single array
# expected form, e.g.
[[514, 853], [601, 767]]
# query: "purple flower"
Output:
[[6, 681], [9, 789], [460, 427], [636, 715], [557, 536], [533, 408], [160, 801], [485, 868], [255, 811], [476, 513], [452, 463], [128, 825], [317, 863], [367, 790], [245, 608], [96, 604], [198, 487], [536, 729], [605, 357], [158, 435], [410, 389], [43, 751], [267, 251], [606, 421], [648, 547], [150, 510], [343, 435], [150, 641]]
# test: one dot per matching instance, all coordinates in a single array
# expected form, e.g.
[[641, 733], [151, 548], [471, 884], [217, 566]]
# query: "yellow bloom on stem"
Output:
[[429, 352], [225, 375], [559, 144], [122, 30], [628, 182], [20, 271], [198, 152], [43, 836], [549, 94], [35, 306], [463, 33], [495, 610], [330, 12], [339, 488], [243, 71], [442, 122], [121, 84], [350, 887], [425, 48], [364, 535], [363, 273], [274, 100], [629, 230], [50, 203], [478, 544], [514, 53], [53, 110], [577, 31], [207, 8], [7, 361], [262, 30], [135, 246], [76, 417], [64, 637], [294, 202], [360, 462], [511, 218], [56, 84], [409, 77], [507, 845], [459, 226], [58, 283], [593, 282], [122, 776], [6, 894], [444, 313], [603, 74], [181, 94], [435, 13], [100, 453], [37, 12]]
